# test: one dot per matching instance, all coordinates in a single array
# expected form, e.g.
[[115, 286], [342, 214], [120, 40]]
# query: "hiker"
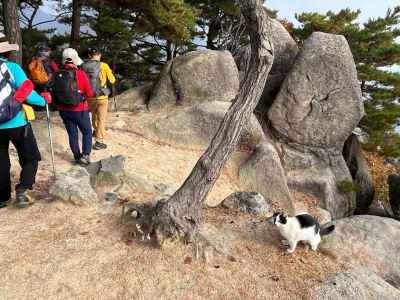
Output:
[[41, 68], [17, 89], [70, 88], [99, 74]]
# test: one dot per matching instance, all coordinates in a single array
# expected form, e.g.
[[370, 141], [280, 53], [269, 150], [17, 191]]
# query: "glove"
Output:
[[47, 97], [24, 91]]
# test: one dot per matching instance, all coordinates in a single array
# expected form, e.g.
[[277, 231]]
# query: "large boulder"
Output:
[[197, 125], [356, 283], [263, 172], [198, 76], [74, 187], [316, 110], [133, 100], [318, 172], [369, 241], [285, 52], [319, 103]]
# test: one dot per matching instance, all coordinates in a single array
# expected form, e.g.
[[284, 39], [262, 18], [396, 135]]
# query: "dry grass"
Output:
[[380, 172], [55, 251]]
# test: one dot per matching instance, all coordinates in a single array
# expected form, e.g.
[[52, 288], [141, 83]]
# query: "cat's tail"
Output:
[[326, 229]]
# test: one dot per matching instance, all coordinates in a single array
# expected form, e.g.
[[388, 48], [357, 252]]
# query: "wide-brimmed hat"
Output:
[[71, 55], [6, 46]]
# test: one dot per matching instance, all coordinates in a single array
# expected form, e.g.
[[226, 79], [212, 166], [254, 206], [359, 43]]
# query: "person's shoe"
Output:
[[99, 146], [23, 200], [83, 161], [4, 204]]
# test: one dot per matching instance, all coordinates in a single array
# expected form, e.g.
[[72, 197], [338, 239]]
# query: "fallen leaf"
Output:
[[129, 242], [188, 260]]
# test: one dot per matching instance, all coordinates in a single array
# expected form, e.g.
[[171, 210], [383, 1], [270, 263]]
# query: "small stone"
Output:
[[250, 202]]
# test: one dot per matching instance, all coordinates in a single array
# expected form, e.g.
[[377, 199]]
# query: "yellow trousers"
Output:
[[99, 110]]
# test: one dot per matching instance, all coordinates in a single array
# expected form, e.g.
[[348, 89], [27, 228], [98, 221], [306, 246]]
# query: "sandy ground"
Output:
[[56, 251]]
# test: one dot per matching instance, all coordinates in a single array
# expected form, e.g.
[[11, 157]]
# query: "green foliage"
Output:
[[375, 50], [346, 186]]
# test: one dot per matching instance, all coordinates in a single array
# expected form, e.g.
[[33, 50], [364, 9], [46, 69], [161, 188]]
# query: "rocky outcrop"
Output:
[[319, 103], [369, 241], [250, 202], [317, 108], [356, 283], [360, 172], [132, 100], [263, 172], [198, 76], [197, 125], [74, 187], [285, 52]]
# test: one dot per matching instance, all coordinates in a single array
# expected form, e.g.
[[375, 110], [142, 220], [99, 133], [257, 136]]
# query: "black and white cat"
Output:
[[300, 228]]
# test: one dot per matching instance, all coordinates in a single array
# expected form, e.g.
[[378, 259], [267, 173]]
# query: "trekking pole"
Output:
[[50, 138]]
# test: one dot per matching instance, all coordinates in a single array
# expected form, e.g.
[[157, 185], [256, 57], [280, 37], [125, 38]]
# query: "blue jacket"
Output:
[[18, 77]]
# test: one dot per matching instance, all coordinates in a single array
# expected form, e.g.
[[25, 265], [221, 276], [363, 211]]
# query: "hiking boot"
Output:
[[83, 161], [99, 146], [4, 204], [23, 200]]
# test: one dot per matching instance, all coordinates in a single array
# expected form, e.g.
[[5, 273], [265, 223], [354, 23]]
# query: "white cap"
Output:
[[71, 55], [6, 46]]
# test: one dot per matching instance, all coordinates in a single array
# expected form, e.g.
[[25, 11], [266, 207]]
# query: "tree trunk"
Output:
[[179, 217], [11, 25], [76, 24]]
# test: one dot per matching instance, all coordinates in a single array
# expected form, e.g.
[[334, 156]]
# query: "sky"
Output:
[[369, 8]]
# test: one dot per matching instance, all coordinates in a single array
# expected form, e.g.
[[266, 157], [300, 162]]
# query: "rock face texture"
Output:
[[369, 241], [357, 283], [197, 125], [263, 173], [317, 108], [319, 103], [285, 52], [133, 100], [250, 202], [198, 76], [74, 187]]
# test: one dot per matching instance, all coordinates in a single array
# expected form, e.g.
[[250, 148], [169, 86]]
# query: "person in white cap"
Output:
[[16, 89], [70, 88]]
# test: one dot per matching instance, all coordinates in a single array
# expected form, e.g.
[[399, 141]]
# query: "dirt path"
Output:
[[55, 251]]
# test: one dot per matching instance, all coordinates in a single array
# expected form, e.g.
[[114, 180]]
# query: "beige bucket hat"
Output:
[[6, 46]]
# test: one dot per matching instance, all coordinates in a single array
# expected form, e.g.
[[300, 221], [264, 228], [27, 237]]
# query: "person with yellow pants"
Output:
[[100, 75]]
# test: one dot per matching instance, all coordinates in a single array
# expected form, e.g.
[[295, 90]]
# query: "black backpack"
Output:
[[9, 106], [64, 88]]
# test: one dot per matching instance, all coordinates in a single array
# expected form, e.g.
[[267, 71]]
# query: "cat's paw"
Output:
[[290, 251]]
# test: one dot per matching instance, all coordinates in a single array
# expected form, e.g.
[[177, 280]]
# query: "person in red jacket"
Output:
[[70, 88]]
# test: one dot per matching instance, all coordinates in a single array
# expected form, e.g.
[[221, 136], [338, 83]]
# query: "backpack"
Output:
[[64, 87], [37, 72], [9, 106], [93, 68]]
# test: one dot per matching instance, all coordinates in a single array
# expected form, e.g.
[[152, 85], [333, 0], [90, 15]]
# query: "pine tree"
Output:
[[375, 51]]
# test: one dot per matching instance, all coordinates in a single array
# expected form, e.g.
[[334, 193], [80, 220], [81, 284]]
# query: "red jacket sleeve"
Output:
[[84, 84], [24, 90]]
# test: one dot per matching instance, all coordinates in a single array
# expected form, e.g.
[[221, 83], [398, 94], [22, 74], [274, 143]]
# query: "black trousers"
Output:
[[29, 156]]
